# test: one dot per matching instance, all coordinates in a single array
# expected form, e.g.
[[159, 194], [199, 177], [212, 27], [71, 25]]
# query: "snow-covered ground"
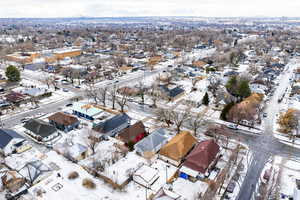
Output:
[[290, 172]]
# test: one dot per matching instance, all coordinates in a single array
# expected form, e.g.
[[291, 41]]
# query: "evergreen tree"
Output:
[[205, 99], [231, 85], [244, 90], [13, 74]]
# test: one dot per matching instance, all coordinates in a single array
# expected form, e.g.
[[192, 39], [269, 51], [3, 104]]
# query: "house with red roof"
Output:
[[201, 159]]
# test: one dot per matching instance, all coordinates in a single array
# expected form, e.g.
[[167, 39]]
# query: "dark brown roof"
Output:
[[63, 118], [130, 133], [202, 156], [15, 97]]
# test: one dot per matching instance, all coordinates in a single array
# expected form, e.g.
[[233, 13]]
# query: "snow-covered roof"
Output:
[[145, 175], [86, 109]]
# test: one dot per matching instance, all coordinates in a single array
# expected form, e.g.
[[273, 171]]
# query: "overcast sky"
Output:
[[115, 8]]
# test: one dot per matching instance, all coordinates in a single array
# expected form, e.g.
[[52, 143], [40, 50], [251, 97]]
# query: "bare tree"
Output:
[[47, 80], [92, 93], [164, 115], [113, 93], [122, 101], [214, 84], [197, 121], [153, 95], [102, 95], [142, 92], [54, 83], [179, 118], [92, 140]]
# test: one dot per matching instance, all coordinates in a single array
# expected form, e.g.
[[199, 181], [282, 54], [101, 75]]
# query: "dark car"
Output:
[[69, 105]]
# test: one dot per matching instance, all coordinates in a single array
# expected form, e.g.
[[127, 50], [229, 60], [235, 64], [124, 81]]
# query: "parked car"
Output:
[[265, 115], [69, 105], [78, 87], [232, 126], [65, 90]]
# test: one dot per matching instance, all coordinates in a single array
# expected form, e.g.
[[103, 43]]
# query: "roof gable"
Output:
[[6, 135], [153, 140], [130, 133], [202, 156], [63, 118], [113, 123], [40, 127], [179, 146]]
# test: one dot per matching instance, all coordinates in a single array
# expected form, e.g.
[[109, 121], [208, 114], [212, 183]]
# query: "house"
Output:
[[258, 88], [171, 94], [13, 182], [201, 159], [177, 148], [63, 121], [15, 97], [125, 69], [40, 130], [34, 92], [34, 171], [74, 152], [145, 176], [199, 64], [152, 143], [10, 141], [86, 111], [114, 125], [22, 57], [133, 133], [34, 66]]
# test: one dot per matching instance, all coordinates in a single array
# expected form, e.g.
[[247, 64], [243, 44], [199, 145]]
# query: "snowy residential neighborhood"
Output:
[[149, 109]]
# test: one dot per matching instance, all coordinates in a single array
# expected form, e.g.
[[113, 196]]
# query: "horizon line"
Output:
[[150, 16]]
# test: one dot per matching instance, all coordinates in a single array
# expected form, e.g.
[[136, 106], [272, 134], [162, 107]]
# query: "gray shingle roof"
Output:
[[40, 127], [6, 135], [112, 123], [153, 140]]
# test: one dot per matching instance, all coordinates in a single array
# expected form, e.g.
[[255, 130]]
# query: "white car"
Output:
[[232, 126]]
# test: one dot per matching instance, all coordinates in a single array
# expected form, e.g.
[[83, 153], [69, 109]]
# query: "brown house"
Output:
[[133, 133], [199, 64], [63, 121], [15, 97], [177, 148]]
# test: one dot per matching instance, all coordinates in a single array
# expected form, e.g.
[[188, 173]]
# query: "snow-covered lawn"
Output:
[[290, 172], [189, 190]]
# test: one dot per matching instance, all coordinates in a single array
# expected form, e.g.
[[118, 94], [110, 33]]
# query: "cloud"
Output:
[[113, 8]]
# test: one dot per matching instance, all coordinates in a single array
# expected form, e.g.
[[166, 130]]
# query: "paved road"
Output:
[[263, 146], [267, 145]]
